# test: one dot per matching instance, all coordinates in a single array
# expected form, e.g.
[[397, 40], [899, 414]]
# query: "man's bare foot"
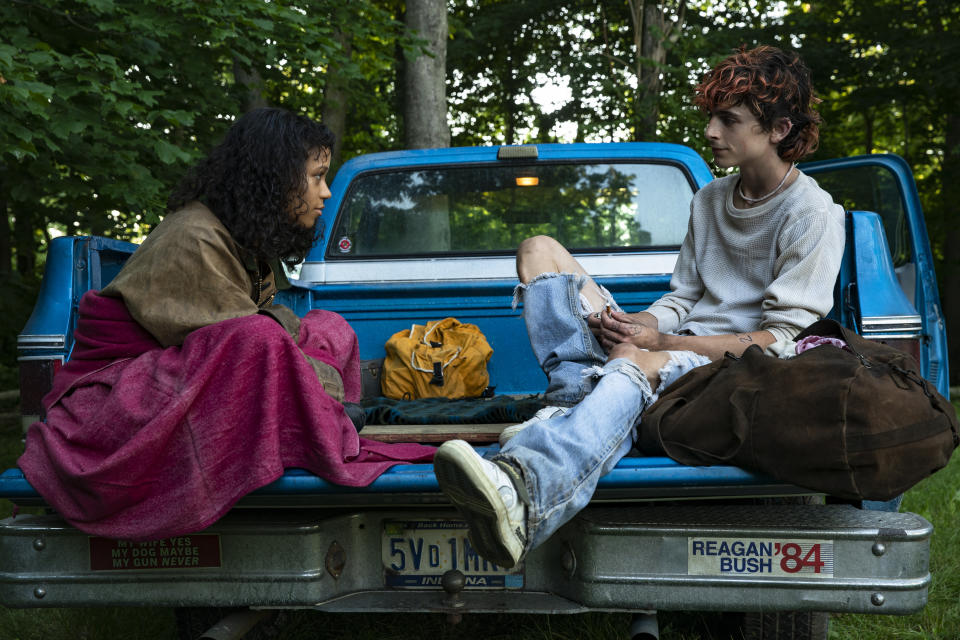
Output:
[[650, 362]]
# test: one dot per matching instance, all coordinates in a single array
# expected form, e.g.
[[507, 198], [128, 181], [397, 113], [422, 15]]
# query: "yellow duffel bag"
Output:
[[442, 359]]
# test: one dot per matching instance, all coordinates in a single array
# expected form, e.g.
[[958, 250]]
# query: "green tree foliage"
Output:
[[359, 101], [371, 39], [885, 70], [497, 51], [503, 52], [106, 102]]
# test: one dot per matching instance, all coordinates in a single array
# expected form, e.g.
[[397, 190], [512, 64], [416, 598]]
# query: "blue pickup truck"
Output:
[[414, 236]]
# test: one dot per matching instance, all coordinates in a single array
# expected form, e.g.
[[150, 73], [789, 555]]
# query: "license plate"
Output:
[[779, 557], [416, 554]]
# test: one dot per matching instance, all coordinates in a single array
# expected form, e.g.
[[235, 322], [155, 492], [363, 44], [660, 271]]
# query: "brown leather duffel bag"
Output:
[[860, 425]]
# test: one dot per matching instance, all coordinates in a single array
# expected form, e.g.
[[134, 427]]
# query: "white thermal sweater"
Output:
[[769, 267]]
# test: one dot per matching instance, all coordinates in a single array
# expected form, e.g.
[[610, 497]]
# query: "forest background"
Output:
[[105, 103]]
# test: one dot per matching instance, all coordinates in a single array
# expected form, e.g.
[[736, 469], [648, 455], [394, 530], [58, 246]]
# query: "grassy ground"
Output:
[[936, 498]]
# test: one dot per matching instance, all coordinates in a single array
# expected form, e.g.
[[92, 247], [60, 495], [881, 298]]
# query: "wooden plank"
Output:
[[434, 432]]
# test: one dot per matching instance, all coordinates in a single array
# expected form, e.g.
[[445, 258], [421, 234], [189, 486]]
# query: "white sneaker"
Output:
[[544, 414], [486, 497]]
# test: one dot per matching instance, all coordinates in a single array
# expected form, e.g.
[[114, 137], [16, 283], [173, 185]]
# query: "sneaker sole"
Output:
[[508, 433], [462, 479]]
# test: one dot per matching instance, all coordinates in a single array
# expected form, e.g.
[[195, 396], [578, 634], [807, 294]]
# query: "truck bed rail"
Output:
[[636, 478]]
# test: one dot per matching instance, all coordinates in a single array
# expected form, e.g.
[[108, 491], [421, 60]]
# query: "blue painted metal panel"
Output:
[[629, 473], [844, 309], [14, 486], [106, 256], [377, 311], [648, 473], [51, 314], [884, 297], [75, 264]]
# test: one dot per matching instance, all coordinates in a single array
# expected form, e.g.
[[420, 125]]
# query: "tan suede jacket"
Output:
[[189, 273]]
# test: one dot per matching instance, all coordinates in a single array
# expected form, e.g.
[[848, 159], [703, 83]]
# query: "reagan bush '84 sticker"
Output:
[[760, 556]]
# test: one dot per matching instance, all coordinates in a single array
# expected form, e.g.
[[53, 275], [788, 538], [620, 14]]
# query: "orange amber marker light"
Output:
[[527, 181]]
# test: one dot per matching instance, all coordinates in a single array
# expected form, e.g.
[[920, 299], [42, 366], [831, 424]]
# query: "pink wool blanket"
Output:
[[142, 442]]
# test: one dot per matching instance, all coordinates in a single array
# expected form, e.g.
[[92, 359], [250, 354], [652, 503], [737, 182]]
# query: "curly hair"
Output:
[[254, 182], [772, 84]]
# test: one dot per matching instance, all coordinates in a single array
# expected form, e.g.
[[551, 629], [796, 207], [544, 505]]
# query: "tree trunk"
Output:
[[868, 131], [508, 101], [950, 286], [6, 255], [652, 29], [425, 76], [26, 245], [906, 133], [333, 113], [253, 83]]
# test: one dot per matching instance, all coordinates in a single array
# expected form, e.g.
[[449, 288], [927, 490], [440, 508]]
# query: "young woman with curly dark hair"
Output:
[[758, 265], [188, 386], [257, 176]]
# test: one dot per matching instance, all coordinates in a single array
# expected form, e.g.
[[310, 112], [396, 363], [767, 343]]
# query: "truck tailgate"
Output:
[[701, 557]]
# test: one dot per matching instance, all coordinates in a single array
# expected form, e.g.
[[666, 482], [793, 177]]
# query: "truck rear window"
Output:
[[485, 209]]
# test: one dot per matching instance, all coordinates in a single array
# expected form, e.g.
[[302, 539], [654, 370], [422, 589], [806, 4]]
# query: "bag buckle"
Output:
[[437, 378]]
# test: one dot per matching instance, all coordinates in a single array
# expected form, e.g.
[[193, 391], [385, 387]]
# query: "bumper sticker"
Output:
[[184, 552], [780, 557]]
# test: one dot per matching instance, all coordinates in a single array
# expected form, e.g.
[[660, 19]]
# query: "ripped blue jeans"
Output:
[[560, 460], [554, 311]]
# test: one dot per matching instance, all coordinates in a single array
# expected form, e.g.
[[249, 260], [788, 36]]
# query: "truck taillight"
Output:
[[36, 380], [902, 332], [910, 346]]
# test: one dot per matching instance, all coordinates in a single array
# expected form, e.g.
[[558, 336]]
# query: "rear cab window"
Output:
[[490, 208]]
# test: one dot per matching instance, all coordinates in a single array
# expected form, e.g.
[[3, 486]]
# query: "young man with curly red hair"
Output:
[[758, 264]]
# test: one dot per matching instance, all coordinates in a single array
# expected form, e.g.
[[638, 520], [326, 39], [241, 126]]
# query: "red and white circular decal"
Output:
[[345, 245]]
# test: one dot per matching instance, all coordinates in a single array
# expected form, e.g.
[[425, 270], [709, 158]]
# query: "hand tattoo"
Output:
[[745, 338]]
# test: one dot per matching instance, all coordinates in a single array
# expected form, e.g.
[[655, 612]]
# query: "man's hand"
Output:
[[644, 318], [641, 330], [638, 329]]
